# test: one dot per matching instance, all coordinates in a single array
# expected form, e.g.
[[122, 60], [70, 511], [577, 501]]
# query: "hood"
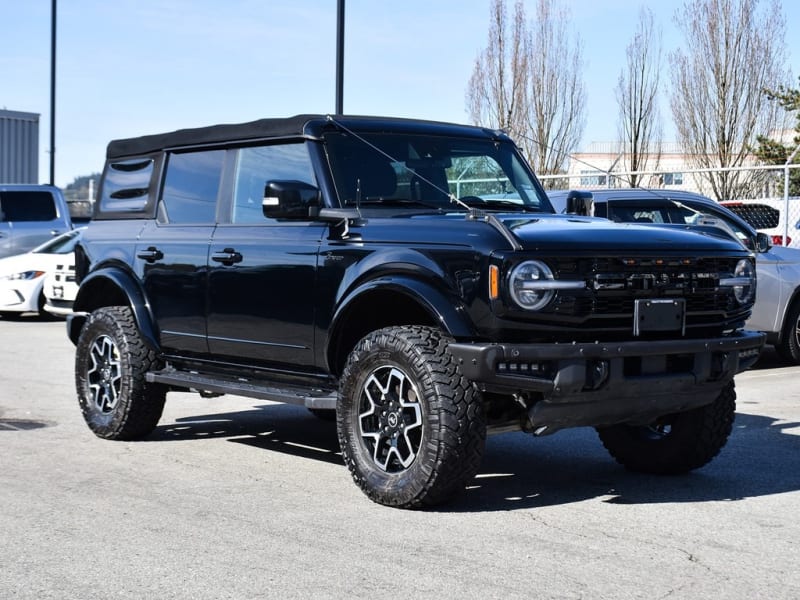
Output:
[[30, 261], [557, 232]]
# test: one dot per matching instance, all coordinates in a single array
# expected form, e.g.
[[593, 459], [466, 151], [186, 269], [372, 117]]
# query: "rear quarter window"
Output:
[[126, 187]]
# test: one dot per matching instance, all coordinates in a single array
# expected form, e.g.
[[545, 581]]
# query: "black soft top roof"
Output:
[[296, 126]]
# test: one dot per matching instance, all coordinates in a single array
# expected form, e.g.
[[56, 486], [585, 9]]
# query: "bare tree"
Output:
[[529, 81], [496, 92], [637, 88], [732, 52]]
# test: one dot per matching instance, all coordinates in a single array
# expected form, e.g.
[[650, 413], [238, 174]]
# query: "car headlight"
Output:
[[743, 282], [23, 276], [531, 285]]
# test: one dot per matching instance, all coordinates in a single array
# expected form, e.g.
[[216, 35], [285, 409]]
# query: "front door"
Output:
[[262, 272]]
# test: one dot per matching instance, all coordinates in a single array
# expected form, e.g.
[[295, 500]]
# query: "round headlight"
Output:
[[531, 285], [745, 292]]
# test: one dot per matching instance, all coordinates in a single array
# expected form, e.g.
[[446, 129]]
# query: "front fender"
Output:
[[445, 309], [111, 286]]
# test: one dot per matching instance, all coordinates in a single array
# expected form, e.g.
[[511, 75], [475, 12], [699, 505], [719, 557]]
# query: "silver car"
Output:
[[777, 308]]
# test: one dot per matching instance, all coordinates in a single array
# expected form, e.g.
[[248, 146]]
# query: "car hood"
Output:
[[30, 261], [564, 231]]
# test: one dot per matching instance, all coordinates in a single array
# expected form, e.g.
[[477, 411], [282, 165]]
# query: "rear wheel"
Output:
[[111, 360], [411, 427], [789, 346], [676, 443]]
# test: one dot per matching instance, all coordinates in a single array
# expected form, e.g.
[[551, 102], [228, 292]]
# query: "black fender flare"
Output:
[[446, 310], [109, 286]]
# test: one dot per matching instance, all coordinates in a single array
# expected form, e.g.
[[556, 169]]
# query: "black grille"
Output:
[[614, 284]]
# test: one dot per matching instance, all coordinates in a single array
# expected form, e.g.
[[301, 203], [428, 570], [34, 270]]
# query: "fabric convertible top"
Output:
[[285, 127], [263, 128]]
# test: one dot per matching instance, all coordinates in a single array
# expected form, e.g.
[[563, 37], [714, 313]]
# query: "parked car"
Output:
[[333, 262], [60, 287], [22, 276], [30, 215], [777, 308], [771, 217]]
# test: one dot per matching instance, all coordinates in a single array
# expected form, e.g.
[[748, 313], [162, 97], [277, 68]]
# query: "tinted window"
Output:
[[27, 206], [191, 186], [125, 185], [256, 166]]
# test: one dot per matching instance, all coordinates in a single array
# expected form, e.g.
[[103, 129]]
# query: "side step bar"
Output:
[[316, 399]]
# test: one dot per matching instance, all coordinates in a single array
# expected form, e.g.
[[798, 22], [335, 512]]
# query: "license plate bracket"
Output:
[[659, 314]]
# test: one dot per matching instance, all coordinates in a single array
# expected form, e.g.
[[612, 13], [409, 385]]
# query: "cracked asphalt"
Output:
[[239, 498]]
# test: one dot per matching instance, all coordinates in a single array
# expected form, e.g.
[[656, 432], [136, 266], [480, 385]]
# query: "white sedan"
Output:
[[22, 276]]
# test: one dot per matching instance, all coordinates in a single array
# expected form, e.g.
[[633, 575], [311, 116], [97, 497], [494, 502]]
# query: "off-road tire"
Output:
[[789, 345], [425, 410], [676, 443], [111, 360]]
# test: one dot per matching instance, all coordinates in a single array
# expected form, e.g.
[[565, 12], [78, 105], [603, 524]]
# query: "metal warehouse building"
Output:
[[19, 147]]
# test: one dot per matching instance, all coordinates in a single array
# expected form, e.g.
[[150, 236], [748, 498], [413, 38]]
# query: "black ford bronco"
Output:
[[411, 280]]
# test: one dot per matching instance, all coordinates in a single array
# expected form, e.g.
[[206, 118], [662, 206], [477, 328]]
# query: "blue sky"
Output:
[[133, 67]]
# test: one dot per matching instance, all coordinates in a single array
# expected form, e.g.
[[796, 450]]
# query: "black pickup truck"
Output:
[[411, 280]]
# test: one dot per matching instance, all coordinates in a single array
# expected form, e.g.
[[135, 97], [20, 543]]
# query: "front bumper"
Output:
[[595, 384], [20, 296]]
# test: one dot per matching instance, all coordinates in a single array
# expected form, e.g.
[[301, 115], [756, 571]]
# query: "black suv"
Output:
[[411, 280]]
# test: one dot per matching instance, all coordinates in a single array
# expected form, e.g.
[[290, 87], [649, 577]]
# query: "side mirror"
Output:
[[288, 199], [763, 242], [580, 203]]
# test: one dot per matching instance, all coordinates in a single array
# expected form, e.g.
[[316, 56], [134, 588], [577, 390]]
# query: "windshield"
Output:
[[679, 212], [63, 244], [423, 171]]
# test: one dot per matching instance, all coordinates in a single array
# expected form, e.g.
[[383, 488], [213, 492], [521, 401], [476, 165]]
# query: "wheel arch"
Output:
[[402, 300], [111, 286], [790, 306]]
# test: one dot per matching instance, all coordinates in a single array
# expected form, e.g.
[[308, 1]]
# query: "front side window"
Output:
[[191, 185], [256, 166]]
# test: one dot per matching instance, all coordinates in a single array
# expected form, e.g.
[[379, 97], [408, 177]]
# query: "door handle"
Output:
[[228, 256], [152, 254]]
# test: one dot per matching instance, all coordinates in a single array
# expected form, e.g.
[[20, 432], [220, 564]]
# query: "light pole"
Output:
[[339, 57], [53, 94]]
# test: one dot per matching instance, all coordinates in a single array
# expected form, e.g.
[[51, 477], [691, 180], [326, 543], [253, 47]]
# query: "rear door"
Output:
[[172, 252]]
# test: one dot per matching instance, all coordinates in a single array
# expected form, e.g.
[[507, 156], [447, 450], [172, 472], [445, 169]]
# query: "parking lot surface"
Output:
[[240, 498]]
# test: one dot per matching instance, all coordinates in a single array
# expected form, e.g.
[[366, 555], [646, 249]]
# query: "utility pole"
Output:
[[53, 94], [339, 57]]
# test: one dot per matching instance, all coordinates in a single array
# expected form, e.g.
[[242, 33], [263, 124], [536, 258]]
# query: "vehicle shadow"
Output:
[[519, 471], [275, 427], [760, 459]]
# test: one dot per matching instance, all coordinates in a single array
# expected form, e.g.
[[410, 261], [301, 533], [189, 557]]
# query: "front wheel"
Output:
[[111, 360], [411, 427], [676, 443]]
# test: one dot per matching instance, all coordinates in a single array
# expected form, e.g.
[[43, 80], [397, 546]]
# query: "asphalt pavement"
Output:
[[239, 498]]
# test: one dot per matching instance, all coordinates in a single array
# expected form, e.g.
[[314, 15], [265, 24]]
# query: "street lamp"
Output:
[[53, 94]]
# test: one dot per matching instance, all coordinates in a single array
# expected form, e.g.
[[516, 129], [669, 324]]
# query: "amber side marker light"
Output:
[[494, 282]]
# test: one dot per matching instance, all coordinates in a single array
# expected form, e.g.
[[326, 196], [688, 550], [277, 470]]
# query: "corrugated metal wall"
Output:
[[19, 147]]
